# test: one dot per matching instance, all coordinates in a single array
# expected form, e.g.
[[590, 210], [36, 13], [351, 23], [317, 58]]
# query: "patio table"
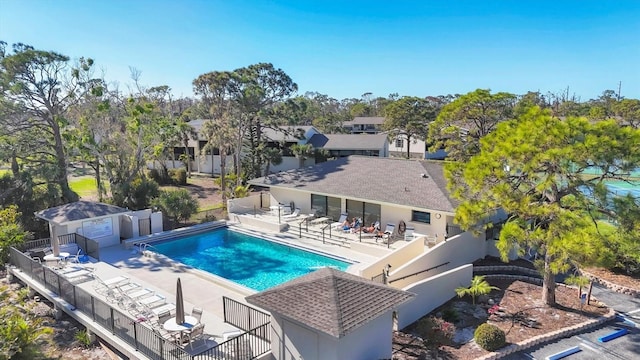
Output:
[[61, 257], [172, 326]]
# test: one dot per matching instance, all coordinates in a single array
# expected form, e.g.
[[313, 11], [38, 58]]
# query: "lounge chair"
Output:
[[374, 233], [388, 232], [408, 233], [293, 215], [354, 229], [153, 300], [105, 286], [338, 224]]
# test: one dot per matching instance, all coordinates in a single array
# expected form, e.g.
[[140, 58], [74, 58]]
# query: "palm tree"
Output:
[[271, 156], [579, 281], [479, 286], [219, 134], [184, 133], [301, 151]]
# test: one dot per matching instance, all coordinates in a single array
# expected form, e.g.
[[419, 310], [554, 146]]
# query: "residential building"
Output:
[[364, 125]]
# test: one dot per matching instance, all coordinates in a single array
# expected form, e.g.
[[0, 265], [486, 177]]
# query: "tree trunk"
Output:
[[96, 169], [61, 174], [15, 168], [223, 180], [408, 145], [212, 162], [548, 283], [186, 151]]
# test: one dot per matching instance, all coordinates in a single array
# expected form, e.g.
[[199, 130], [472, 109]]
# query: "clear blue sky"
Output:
[[347, 48]]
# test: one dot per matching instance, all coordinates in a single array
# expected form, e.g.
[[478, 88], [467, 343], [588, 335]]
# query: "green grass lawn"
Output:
[[84, 186]]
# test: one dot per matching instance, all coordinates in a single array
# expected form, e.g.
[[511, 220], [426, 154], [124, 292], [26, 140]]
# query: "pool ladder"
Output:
[[146, 249]]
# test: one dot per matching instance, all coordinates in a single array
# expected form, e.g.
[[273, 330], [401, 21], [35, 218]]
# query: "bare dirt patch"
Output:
[[519, 311], [61, 344]]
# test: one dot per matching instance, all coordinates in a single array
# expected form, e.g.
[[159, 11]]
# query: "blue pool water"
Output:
[[250, 261]]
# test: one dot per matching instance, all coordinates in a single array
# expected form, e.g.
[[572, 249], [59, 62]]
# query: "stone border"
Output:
[[536, 340], [612, 286], [506, 268]]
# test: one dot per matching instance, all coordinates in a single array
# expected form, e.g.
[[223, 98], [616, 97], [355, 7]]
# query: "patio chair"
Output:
[[338, 224], [159, 329], [196, 333], [196, 312], [408, 233]]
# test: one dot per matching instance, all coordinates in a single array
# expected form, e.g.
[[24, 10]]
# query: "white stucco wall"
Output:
[[432, 292], [302, 199], [104, 241], [373, 340], [393, 214], [458, 250], [417, 148], [291, 340], [396, 259]]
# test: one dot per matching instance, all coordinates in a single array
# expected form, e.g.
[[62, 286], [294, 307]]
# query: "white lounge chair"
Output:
[[408, 233], [338, 224], [388, 231], [374, 233], [293, 215]]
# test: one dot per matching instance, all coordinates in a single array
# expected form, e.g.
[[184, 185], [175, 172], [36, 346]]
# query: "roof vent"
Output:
[[424, 176]]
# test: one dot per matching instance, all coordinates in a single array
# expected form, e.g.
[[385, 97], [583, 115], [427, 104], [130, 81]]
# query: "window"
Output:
[[399, 143], [326, 206], [203, 144], [369, 213], [420, 216]]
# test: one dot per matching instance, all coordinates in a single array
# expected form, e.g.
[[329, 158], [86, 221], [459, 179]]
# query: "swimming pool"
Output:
[[244, 259]]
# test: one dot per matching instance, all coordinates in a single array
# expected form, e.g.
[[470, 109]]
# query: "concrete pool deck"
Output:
[[199, 288]]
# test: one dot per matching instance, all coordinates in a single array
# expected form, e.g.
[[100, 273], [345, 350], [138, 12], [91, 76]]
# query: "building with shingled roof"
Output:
[[329, 314], [388, 190]]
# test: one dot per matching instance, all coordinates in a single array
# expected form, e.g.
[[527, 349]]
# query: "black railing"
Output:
[[67, 239], [453, 230], [35, 244], [243, 316], [419, 272], [141, 335]]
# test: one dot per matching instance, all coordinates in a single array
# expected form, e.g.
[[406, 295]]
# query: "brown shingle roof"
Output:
[[368, 178], [330, 300], [78, 210]]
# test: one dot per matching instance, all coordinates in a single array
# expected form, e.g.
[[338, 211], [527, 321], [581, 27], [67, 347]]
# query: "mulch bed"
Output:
[[522, 315], [616, 278]]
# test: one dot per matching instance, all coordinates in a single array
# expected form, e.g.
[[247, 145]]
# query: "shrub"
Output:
[[178, 176], [435, 330], [82, 336], [489, 337], [451, 315], [178, 204]]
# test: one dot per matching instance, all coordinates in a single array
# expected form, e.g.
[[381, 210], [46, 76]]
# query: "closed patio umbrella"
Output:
[[179, 304]]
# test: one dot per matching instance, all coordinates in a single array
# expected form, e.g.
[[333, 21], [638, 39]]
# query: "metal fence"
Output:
[[90, 247], [242, 316], [140, 335]]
